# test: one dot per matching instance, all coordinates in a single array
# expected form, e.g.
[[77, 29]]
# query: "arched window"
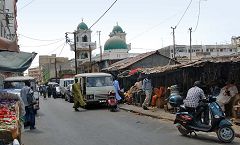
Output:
[[84, 55], [84, 38]]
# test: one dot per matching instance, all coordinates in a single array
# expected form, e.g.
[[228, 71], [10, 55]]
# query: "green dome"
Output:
[[117, 29], [82, 26], [115, 42]]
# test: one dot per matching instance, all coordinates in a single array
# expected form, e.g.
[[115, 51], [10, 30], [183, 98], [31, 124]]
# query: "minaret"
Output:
[[117, 31], [83, 42]]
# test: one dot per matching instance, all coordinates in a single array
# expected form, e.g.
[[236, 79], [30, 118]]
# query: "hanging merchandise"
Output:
[[135, 71]]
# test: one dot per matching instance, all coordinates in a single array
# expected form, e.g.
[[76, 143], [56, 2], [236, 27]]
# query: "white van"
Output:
[[95, 86], [63, 83], [15, 84]]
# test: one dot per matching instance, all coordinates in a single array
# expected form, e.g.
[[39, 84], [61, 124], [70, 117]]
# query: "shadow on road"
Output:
[[207, 138]]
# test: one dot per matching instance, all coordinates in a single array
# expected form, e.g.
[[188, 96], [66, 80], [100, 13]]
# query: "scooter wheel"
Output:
[[183, 131], [226, 134]]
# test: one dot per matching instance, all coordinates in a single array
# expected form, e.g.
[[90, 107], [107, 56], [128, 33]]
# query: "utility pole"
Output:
[[99, 34], [75, 47], [174, 46], [75, 51], [190, 29], [55, 67], [90, 59]]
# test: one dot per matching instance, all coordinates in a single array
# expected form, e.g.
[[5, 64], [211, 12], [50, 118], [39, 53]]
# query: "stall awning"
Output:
[[15, 62], [8, 45]]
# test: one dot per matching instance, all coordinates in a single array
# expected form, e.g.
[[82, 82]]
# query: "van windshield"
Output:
[[99, 81], [14, 85], [68, 82]]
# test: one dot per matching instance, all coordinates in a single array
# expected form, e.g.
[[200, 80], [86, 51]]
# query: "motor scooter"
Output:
[[188, 123], [112, 102]]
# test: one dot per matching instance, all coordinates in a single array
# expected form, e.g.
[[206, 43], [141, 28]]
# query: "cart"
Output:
[[10, 127]]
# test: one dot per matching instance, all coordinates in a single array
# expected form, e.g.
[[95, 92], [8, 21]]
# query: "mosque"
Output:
[[115, 49]]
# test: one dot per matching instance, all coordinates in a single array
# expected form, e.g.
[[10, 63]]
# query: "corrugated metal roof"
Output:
[[224, 59], [130, 61]]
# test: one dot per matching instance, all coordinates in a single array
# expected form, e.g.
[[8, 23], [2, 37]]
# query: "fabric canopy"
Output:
[[15, 62], [8, 45]]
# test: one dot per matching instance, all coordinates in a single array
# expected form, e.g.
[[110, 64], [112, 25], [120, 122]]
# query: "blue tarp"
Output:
[[15, 61]]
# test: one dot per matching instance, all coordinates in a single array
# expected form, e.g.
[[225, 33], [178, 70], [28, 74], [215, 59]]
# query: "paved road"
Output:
[[58, 124]]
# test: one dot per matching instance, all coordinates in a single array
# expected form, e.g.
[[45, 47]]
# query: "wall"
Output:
[[152, 61]]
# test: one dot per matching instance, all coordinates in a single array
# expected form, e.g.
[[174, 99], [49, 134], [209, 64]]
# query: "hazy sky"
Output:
[[147, 23]]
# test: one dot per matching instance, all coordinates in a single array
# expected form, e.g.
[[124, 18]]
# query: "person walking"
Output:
[[147, 88], [117, 89], [49, 90], [54, 92], [77, 96], [26, 91], [44, 91]]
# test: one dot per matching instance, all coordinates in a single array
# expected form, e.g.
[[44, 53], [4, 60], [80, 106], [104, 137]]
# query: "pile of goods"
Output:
[[8, 115]]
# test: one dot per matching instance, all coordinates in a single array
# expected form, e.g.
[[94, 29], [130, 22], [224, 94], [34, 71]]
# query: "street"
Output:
[[58, 124]]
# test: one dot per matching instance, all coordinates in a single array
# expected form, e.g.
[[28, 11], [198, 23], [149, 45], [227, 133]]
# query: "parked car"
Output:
[[68, 94], [63, 86], [55, 87]]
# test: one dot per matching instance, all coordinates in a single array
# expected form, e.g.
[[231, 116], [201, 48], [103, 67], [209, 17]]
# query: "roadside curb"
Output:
[[159, 117], [146, 114]]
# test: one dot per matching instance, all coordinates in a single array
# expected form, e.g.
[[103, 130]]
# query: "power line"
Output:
[[199, 11], [61, 49], [46, 44], [56, 48], [67, 40], [26, 5], [184, 13], [151, 28], [103, 14], [40, 39]]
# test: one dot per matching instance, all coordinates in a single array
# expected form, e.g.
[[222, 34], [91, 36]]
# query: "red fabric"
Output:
[[132, 72], [159, 92]]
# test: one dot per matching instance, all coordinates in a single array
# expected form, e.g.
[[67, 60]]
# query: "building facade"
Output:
[[183, 53], [236, 42], [8, 21], [8, 28], [51, 66], [35, 73]]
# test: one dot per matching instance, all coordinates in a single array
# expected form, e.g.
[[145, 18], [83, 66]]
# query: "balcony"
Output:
[[84, 46]]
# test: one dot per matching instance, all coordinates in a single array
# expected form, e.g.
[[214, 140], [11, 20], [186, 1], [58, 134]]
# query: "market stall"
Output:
[[11, 111]]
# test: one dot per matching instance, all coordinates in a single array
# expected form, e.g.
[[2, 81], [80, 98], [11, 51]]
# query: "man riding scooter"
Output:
[[191, 103], [189, 117]]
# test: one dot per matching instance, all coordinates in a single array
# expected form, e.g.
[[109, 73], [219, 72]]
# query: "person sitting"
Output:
[[158, 94], [194, 95], [137, 92]]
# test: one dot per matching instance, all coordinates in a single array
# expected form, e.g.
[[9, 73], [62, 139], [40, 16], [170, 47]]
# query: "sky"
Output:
[[42, 23]]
